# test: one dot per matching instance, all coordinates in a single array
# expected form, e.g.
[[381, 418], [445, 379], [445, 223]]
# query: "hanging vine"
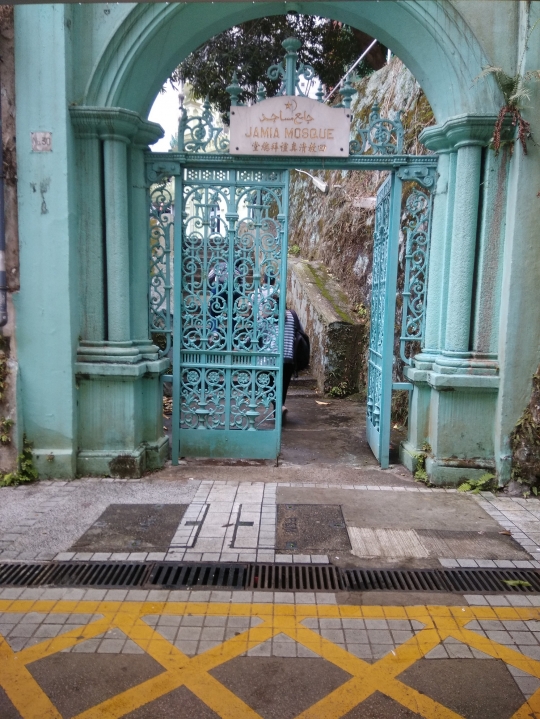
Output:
[[516, 92]]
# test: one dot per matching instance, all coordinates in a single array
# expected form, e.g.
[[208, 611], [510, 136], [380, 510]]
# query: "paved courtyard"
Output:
[[239, 521], [92, 653]]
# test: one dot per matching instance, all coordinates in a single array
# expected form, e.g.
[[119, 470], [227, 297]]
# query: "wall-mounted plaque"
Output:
[[41, 141], [290, 125]]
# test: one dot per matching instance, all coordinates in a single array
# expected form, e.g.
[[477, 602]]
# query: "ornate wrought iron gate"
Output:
[[229, 288], [383, 311]]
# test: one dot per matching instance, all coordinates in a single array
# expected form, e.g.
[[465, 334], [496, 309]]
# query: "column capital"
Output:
[[114, 123], [462, 130]]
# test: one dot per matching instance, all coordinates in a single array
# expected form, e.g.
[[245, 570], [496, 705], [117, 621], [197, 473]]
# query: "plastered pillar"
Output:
[[455, 387], [118, 372], [117, 237], [465, 223], [92, 301]]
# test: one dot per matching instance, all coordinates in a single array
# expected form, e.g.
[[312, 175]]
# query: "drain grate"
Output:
[[261, 576], [295, 577], [75, 574], [169, 575]]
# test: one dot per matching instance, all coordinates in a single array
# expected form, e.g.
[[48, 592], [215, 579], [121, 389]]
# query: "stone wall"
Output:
[[10, 429], [336, 335], [337, 229]]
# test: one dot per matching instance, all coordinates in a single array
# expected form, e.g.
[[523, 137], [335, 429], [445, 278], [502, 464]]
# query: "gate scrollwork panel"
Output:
[[232, 255], [161, 255], [383, 306]]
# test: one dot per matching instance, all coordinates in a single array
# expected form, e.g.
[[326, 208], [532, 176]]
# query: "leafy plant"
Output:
[[340, 390], [475, 486], [294, 250], [3, 374], [516, 93], [421, 474], [26, 472], [525, 443], [361, 310], [516, 582], [5, 430]]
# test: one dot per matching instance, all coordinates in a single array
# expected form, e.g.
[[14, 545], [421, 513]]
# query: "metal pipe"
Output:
[[362, 56], [319, 184], [3, 276]]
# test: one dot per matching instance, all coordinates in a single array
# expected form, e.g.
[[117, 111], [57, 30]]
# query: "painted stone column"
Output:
[[139, 243], [119, 388], [485, 328], [435, 290], [456, 387], [89, 161], [151, 387], [117, 237], [465, 223], [420, 397]]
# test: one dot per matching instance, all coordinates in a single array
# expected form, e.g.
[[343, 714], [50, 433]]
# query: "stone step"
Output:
[[301, 392], [304, 381]]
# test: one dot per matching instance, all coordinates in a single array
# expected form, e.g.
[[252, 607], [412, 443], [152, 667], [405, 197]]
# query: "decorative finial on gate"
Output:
[[290, 72], [347, 93], [234, 90], [261, 92]]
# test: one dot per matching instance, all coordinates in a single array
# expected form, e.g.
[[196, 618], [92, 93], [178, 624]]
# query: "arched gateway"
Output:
[[90, 377], [230, 249]]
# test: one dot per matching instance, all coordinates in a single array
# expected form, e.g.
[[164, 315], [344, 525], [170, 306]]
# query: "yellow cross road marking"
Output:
[[179, 669]]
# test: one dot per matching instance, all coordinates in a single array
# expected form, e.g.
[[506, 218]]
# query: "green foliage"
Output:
[[516, 91], [5, 430], [3, 373], [294, 250], [250, 48], [475, 486], [362, 311], [516, 582], [340, 390], [420, 474], [399, 408], [26, 472], [525, 443]]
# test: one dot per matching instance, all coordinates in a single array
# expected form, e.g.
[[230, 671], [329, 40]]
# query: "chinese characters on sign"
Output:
[[288, 125]]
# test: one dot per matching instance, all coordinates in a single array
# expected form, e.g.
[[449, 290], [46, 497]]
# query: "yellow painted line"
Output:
[[193, 672], [22, 689]]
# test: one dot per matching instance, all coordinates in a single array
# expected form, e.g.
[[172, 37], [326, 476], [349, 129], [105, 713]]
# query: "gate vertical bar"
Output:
[[283, 219], [383, 311], [177, 317]]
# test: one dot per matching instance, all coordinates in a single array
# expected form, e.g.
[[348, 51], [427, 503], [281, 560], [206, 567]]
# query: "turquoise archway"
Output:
[[433, 41]]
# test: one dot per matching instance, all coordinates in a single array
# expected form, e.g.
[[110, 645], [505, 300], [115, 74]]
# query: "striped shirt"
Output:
[[288, 340]]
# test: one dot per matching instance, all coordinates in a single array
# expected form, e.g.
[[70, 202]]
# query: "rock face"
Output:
[[337, 229], [335, 332]]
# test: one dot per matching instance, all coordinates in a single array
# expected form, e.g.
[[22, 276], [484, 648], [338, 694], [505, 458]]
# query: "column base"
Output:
[[121, 418], [451, 420], [124, 465], [452, 473], [408, 456], [54, 463], [130, 352]]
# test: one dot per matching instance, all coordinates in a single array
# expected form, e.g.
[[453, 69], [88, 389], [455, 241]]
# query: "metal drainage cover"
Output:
[[262, 576]]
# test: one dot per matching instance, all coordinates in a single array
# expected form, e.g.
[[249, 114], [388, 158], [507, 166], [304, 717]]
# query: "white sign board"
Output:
[[41, 141], [293, 126]]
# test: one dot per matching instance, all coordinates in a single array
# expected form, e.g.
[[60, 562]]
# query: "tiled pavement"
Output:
[[130, 651], [229, 521]]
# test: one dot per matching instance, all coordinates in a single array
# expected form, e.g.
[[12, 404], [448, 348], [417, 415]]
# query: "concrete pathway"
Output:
[[95, 654]]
